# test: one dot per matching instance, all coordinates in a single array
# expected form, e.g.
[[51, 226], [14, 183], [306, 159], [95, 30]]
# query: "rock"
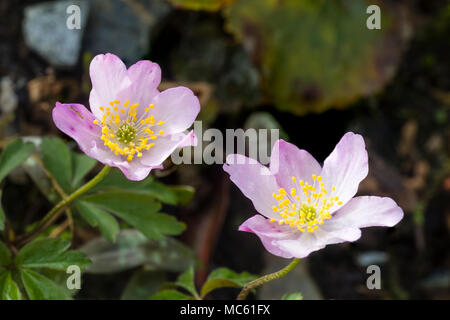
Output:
[[368, 258], [123, 27], [46, 31], [8, 97]]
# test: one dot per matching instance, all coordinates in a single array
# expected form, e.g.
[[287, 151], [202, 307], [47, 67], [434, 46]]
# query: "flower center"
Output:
[[306, 206], [309, 213], [124, 133]]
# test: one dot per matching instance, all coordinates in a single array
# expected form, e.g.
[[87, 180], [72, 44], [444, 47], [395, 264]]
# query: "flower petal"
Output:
[[164, 146], [346, 167], [287, 161], [177, 107], [269, 233], [135, 170], [255, 181], [109, 77], [77, 122], [300, 247], [368, 211], [190, 140], [286, 242], [145, 77], [308, 242]]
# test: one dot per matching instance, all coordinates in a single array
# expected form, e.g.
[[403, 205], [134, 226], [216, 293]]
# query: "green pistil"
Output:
[[309, 213], [126, 133]]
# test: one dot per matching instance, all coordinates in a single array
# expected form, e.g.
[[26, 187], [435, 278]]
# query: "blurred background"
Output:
[[309, 68]]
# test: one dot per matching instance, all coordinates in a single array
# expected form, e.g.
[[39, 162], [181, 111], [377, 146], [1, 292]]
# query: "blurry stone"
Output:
[[43, 92], [298, 280], [437, 280], [206, 54], [8, 98], [48, 88], [123, 27], [368, 258], [434, 144], [46, 31]]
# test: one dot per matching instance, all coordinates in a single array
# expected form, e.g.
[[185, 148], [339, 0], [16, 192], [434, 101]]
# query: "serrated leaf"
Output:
[[139, 210], [9, 290], [50, 253], [224, 277], [97, 217], [133, 249], [13, 155], [143, 284], [60, 278], [5, 255], [186, 281], [169, 295], [292, 296], [82, 164], [57, 160], [116, 181], [39, 287]]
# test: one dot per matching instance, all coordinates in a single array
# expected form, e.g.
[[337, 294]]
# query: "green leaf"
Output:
[[5, 255], [186, 281], [58, 161], [9, 290], [13, 155], [50, 253], [41, 179], [224, 277], [138, 210], [116, 181], [169, 295], [59, 278], [292, 296], [97, 217], [184, 194], [133, 249], [207, 5], [318, 54], [2, 213], [161, 192], [143, 284], [82, 164], [39, 287]]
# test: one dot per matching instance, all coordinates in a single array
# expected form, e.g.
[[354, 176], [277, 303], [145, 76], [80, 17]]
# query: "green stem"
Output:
[[270, 277], [55, 212]]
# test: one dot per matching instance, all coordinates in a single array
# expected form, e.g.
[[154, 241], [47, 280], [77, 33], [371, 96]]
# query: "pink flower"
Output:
[[304, 206], [133, 126]]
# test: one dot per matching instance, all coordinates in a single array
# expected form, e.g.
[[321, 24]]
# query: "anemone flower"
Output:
[[302, 206], [131, 125]]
